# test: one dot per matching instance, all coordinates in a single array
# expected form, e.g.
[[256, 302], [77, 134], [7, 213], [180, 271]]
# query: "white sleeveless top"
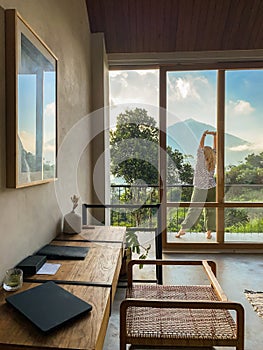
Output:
[[203, 178]]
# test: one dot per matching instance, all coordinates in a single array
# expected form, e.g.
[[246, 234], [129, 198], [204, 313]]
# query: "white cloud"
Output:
[[145, 71], [255, 147], [50, 110], [183, 87], [28, 141], [49, 147], [240, 148], [191, 95], [138, 86], [241, 107], [187, 87]]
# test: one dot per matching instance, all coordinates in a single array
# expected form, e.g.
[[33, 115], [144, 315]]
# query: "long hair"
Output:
[[210, 158]]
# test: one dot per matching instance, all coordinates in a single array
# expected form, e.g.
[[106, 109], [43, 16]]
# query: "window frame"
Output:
[[233, 63]]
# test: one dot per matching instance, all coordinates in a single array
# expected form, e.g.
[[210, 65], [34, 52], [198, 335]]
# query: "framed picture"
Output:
[[31, 105]]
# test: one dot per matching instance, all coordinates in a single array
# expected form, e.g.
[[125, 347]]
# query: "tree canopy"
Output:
[[248, 172], [135, 147]]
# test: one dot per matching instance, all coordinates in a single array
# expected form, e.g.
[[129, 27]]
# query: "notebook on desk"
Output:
[[48, 305], [63, 252]]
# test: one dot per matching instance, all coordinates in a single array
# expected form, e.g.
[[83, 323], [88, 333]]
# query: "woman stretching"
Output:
[[204, 187]]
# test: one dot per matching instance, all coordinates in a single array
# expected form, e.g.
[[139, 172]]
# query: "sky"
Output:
[[27, 114], [192, 94]]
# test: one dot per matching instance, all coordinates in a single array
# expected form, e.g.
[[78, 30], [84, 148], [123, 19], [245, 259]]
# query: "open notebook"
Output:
[[48, 305]]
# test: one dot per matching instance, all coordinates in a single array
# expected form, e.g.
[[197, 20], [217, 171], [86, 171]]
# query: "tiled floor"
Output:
[[235, 273]]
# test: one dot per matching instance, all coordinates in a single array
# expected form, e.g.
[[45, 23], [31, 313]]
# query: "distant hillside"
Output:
[[185, 137]]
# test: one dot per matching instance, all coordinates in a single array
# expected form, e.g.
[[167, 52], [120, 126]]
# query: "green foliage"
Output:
[[176, 217], [134, 157], [247, 173], [135, 148], [235, 218], [133, 242]]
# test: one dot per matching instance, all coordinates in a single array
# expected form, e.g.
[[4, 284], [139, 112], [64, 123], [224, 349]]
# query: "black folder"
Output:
[[48, 305], [63, 252], [32, 264]]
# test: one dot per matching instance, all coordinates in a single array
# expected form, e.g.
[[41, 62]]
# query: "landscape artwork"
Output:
[[32, 122]]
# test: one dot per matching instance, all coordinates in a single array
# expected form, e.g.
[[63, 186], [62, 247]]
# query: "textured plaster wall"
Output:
[[31, 217]]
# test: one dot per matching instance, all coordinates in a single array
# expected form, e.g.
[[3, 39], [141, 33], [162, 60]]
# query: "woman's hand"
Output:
[[207, 132]]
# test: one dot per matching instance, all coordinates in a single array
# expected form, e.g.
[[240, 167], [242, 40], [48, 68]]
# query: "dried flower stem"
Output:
[[74, 200]]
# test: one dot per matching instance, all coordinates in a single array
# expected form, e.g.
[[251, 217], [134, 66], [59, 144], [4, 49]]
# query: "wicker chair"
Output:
[[155, 315]]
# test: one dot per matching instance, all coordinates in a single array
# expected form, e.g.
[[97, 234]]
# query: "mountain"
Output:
[[185, 136]]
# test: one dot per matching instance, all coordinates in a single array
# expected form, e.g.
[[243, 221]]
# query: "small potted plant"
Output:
[[133, 246]]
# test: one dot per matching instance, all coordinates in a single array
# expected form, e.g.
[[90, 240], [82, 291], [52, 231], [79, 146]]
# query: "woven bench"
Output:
[[155, 315]]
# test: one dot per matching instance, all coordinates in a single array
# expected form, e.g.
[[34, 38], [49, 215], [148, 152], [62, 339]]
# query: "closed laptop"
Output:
[[48, 305]]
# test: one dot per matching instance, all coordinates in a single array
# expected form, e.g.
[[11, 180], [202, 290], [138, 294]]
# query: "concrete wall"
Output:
[[31, 217], [100, 128]]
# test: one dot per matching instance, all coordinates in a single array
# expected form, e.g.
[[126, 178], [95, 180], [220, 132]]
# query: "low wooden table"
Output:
[[86, 332], [93, 279]]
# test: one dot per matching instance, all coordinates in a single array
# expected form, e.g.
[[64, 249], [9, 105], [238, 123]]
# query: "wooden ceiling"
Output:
[[135, 26]]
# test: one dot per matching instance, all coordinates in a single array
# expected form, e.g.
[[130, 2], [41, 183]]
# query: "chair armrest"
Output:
[[182, 304], [161, 262]]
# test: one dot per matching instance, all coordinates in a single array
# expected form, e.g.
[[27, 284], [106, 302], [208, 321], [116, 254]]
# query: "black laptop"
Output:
[[48, 305], [63, 252]]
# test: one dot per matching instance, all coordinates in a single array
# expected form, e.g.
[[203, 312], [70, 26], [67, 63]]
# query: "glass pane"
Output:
[[244, 225], [49, 121], [27, 127], [243, 138], [196, 233], [134, 136], [191, 105], [36, 112]]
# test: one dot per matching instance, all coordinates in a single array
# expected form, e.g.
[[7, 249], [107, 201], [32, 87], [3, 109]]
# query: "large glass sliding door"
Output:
[[191, 110], [134, 137], [243, 155], [230, 103], [226, 101], [134, 149]]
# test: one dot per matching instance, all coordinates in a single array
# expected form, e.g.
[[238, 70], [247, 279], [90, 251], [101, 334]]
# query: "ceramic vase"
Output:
[[72, 223]]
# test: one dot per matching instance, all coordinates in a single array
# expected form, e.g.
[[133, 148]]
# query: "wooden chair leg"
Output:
[[123, 326]]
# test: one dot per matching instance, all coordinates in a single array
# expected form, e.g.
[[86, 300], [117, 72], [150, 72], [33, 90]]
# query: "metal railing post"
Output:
[[158, 246]]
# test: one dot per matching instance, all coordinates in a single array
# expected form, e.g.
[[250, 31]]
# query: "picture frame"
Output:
[[31, 106]]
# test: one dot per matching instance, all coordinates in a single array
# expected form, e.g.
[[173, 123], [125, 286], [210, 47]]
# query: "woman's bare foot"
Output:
[[208, 234], [180, 233]]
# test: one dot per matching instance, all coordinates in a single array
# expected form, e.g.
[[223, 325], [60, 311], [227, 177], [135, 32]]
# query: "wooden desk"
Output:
[[101, 266], [97, 234], [93, 279], [86, 332]]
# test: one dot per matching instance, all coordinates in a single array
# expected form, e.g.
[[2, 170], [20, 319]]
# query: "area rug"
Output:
[[256, 300]]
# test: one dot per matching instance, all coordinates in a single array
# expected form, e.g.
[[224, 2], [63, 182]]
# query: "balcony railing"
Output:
[[237, 220]]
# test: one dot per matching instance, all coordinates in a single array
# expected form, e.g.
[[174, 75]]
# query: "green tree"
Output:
[[248, 172], [135, 147], [134, 157]]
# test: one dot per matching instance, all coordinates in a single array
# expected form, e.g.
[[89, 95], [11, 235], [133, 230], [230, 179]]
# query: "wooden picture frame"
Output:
[[31, 106]]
